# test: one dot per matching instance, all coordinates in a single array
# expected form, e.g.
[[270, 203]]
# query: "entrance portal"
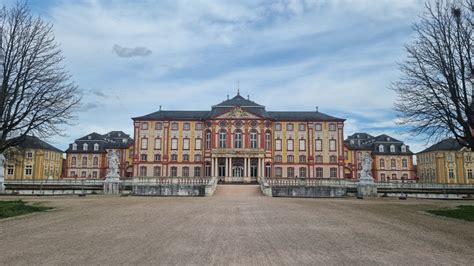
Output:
[[238, 172]]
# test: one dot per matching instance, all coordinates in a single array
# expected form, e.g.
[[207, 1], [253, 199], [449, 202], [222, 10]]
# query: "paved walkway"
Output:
[[236, 226]]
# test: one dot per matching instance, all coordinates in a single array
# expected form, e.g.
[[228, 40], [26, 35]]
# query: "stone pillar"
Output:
[[230, 166], [260, 166], [2, 173], [248, 167], [214, 166], [226, 172], [245, 167]]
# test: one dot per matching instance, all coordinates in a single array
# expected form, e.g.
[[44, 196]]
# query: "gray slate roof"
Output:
[[364, 141], [32, 142], [450, 144], [110, 140]]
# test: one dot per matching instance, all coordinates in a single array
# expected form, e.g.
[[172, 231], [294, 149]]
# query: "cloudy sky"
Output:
[[130, 57]]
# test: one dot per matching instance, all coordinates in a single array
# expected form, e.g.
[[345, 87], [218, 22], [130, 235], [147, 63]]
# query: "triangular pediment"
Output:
[[236, 113]]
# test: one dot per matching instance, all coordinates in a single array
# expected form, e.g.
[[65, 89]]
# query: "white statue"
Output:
[[366, 172], [113, 159], [2, 173]]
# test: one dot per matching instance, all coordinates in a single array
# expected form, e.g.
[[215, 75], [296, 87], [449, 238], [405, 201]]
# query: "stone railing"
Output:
[[173, 186], [314, 182]]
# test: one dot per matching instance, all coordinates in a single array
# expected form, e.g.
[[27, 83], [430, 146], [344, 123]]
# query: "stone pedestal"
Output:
[[112, 186], [2, 174], [366, 188]]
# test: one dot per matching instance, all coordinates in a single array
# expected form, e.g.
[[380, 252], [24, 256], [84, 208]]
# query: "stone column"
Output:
[[230, 166], [2, 173], [226, 172], [248, 167], [245, 167], [260, 167]]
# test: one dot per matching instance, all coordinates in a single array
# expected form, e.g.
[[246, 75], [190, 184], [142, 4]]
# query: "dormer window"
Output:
[[96, 147], [74, 146], [404, 148], [119, 134], [124, 140], [388, 139], [392, 148], [352, 142], [85, 147], [89, 137], [380, 148]]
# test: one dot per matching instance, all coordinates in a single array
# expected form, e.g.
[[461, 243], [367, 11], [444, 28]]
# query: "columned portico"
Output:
[[238, 165]]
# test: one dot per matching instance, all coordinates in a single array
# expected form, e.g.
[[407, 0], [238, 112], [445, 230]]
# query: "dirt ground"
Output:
[[236, 226]]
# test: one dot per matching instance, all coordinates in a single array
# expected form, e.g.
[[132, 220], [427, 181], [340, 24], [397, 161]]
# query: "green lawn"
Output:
[[18, 207], [464, 212]]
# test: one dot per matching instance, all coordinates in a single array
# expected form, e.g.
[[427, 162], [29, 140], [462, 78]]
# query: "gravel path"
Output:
[[236, 226]]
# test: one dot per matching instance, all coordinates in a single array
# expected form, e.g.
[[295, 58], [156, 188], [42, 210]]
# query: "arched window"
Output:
[[197, 171], [222, 138], [174, 171], [404, 148], [142, 170], [302, 171], [404, 163], [96, 161], [302, 158], [208, 140], [392, 148], [85, 146], [253, 139], [380, 148], [74, 146], [290, 158], [382, 163], [393, 163], [268, 170], [238, 139], [73, 161], [268, 140], [96, 147], [84, 161], [157, 171], [278, 158], [185, 171], [186, 157]]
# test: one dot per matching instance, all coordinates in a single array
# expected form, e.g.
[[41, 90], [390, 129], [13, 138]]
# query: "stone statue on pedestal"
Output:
[[112, 183], [366, 186], [2, 173]]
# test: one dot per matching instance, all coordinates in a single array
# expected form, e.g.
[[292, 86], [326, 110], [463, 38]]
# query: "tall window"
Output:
[[268, 140], [157, 171], [290, 172], [207, 169], [73, 161], [96, 147], [302, 146], [238, 139], [290, 158], [382, 163], [144, 144], [208, 140], [302, 171], [84, 161], [197, 171], [404, 163], [94, 174], [186, 144], [174, 143], [404, 148], [289, 145], [174, 171], [469, 174], [158, 144], [333, 172], [451, 173], [332, 145], [393, 163], [96, 161], [268, 170], [185, 171], [253, 139], [394, 176], [278, 172], [319, 145], [10, 169], [145, 126], [142, 170], [74, 146], [319, 172], [197, 143], [222, 138], [28, 170], [278, 144]]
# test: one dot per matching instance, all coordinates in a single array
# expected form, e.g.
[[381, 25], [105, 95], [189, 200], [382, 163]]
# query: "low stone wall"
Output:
[[174, 187], [308, 192]]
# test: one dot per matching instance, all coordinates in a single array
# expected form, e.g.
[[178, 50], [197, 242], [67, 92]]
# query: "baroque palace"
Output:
[[238, 141]]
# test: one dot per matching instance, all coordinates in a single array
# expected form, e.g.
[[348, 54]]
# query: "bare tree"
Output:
[[435, 91], [36, 96]]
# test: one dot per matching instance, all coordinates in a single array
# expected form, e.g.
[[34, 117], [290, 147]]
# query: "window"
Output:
[[268, 140], [74, 146], [302, 127], [10, 170], [85, 147], [333, 172], [198, 126], [382, 163], [174, 157], [94, 174], [222, 138], [319, 172], [73, 174], [290, 158], [278, 158], [174, 126], [207, 169], [404, 163], [393, 163], [404, 177], [268, 170], [302, 146], [185, 171], [394, 176], [73, 161], [302, 158], [319, 145], [198, 144], [186, 126], [174, 171], [392, 148], [380, 148], [289, 145], [84, 161], [186, 157], [290, 172], [404, 148], [332, 127], [96, 161], [278, 171], [253, 139], [158, 126], [158, 157], [185, 144], [278, 144], [96, 147], [208, 140], [302, 171], [318, 127], [197, 171], [332, 145], [83, 174], [238, 139], [382, 177], [333, 159], [451, 173], [289, 127], [144, 143], [143, 157], [469, 174], [174, 143], [319, 158], [158, 144], [144, 126], [197, 157], [278, 127], [142, 170]]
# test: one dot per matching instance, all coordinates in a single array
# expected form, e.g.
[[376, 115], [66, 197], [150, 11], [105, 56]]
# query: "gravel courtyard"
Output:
[[236, 226]]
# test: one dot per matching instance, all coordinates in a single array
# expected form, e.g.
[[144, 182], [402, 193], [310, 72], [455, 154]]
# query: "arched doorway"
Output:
[[237, 170]]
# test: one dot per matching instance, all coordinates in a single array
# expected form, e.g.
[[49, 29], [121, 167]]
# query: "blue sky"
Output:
[[130, 57]]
